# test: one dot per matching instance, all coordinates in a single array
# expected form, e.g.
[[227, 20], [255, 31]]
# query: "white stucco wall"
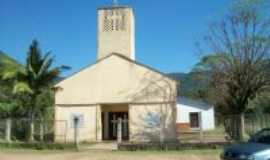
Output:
[[208, 118], [64, 124], [152, 122]]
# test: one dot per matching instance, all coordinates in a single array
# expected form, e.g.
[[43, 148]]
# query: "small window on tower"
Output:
[[106, 24], [117, 24], [114, 20], [112, 24], [123, 23]]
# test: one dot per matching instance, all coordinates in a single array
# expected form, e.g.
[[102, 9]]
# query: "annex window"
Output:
[[194, 120]]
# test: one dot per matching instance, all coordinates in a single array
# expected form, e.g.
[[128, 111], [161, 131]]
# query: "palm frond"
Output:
[[22, 87], [46, 64]]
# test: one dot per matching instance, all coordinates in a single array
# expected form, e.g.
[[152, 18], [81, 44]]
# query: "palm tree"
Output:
[[36, 76], [9, 104]]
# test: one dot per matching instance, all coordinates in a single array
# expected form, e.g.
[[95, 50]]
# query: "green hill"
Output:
[[7, 60], [8, 65], [190, 83]]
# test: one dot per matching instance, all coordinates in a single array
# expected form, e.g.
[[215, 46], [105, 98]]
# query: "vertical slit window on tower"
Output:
[[117, 24], [123, 23], [106, 24], [112, 24]]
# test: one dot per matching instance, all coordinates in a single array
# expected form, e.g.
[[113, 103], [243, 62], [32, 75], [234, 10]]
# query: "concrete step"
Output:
[[99, 146]]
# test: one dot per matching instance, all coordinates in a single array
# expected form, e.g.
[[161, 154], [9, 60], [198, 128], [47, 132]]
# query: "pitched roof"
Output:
[[120, 56], [114, 7], [194, 103]]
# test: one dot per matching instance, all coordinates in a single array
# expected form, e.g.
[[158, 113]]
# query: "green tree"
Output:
[[9, 104], [238, 68], [37, 76], [261, 104]]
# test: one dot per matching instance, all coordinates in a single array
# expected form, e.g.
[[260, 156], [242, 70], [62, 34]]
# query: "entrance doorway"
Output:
[[110, 116]]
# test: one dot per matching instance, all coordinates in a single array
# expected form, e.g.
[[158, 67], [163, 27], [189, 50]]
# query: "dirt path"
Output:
[[101, 155]]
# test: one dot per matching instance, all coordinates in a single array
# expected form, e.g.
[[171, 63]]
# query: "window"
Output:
[[194, 120], [114, 20]]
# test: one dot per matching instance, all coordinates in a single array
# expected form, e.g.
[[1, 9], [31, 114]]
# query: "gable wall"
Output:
[[116, 80]]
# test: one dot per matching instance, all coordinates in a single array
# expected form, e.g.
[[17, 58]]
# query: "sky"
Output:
[[166, 30]]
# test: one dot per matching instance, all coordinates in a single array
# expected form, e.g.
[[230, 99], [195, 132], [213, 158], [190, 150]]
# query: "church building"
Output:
[[116, 88]]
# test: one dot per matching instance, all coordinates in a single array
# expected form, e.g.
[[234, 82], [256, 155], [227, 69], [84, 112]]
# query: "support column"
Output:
[[114, 125], [125, 126], [106, 125]]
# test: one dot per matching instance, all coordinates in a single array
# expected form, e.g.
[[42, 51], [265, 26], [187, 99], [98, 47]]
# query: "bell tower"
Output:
[[116, 31]]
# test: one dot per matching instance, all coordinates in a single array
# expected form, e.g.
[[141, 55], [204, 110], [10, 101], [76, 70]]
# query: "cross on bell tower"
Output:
[[115, 2]]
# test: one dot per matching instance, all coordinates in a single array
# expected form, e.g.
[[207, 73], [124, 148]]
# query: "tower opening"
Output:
[[116, 31]]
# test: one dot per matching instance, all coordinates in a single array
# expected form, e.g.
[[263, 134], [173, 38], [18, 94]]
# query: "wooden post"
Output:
[[8, 129], [119, 130], [201, 127], [76, 132]]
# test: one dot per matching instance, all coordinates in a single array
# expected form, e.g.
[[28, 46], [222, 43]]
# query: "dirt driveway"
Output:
[[104, 155]]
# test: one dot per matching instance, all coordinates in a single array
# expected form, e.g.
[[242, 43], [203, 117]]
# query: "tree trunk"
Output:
[[41, 131], [8, 129], [31, 133], [31, 115], [242, 127]]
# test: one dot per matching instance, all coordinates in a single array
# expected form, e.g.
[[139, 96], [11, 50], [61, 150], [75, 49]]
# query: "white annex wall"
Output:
[[208, 118]]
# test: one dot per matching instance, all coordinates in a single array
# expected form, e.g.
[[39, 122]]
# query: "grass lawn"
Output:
[[12, 154]]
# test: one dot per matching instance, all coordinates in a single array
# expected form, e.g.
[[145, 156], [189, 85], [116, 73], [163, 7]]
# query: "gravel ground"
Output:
[[106, 155]]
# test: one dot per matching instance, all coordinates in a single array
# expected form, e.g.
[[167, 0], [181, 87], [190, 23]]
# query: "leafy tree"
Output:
[[261, 104], [238, 68], [8, 102]]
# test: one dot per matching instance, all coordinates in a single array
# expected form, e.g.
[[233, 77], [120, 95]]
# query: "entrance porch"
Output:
[[111, 116]]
